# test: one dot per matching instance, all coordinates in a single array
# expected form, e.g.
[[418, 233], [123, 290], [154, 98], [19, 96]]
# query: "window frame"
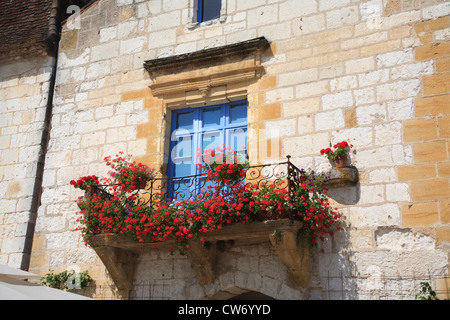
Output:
[[198, 131]]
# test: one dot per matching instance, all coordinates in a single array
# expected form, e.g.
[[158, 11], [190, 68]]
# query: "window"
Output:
[[208, 10], [193, 129]]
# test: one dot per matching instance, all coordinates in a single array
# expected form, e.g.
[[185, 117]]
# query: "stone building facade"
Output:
[[375, 73]]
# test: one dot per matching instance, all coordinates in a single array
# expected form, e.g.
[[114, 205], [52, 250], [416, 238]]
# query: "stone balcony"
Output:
[[120, 253]]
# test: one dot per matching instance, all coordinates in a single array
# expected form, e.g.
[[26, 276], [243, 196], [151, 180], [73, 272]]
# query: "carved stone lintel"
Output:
[[192, 78]]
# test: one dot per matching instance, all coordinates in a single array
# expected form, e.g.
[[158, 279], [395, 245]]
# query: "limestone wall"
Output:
[[24, 88], [371, 72]]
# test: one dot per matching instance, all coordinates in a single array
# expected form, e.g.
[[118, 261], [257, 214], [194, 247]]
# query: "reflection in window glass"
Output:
[[208, 10]]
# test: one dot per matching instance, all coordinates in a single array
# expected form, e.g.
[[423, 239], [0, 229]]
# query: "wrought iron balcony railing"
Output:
[[284, 174]]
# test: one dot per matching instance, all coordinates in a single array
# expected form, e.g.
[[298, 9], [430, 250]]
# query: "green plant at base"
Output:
[[277, 234], [66, 280], [427, 292]]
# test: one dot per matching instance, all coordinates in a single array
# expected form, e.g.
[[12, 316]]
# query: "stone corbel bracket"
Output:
[[294, 255], [119, 262], [342, 177], [203, 261], [213, 74]]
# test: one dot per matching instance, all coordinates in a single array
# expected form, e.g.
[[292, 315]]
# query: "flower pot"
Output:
[[89, 191], [264, 215], [271, 215], [141, 184], [340, 162]]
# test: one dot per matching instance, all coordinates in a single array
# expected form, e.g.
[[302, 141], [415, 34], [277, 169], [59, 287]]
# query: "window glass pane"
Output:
[[211, 140], [238, 139], [210, 9], [238, 113], [211, 117], [185, 120], [183, 147], [182, 169]]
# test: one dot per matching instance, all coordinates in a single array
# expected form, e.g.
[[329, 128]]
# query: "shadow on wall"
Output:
[[346, 195]]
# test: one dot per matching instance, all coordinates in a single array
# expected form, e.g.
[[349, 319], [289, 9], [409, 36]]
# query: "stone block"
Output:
[[370, 114], [416, 172], [382, 175], [342, 17], [262, 16], [388, 133], [398, 90], [329, 120], [309, 24], [365, 40], [444, 209], [105, 51], [359, 136], [292, 8], [431, 106], [344, 83], [420, 214], [69, 40], [436, 11], [280, 128], [422, 190], [379, 48], [412, 70], [364, 96], [420, 130], [65, 60], [395, 58], [374, 77], [430, 151], [107, 34], [359, 65], [444, 169], [378, 215], [126, 28], [98, 69], [304, 145], [431, 51], [443, 234], [443, 64], [431, 25], [397, 192], [297, 77], [264, 113], [342, 99], [437, 84], [132, 45], [307, 90], [305, 124], [350, 118], [265, 83], [384, 156], [280, 94]]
